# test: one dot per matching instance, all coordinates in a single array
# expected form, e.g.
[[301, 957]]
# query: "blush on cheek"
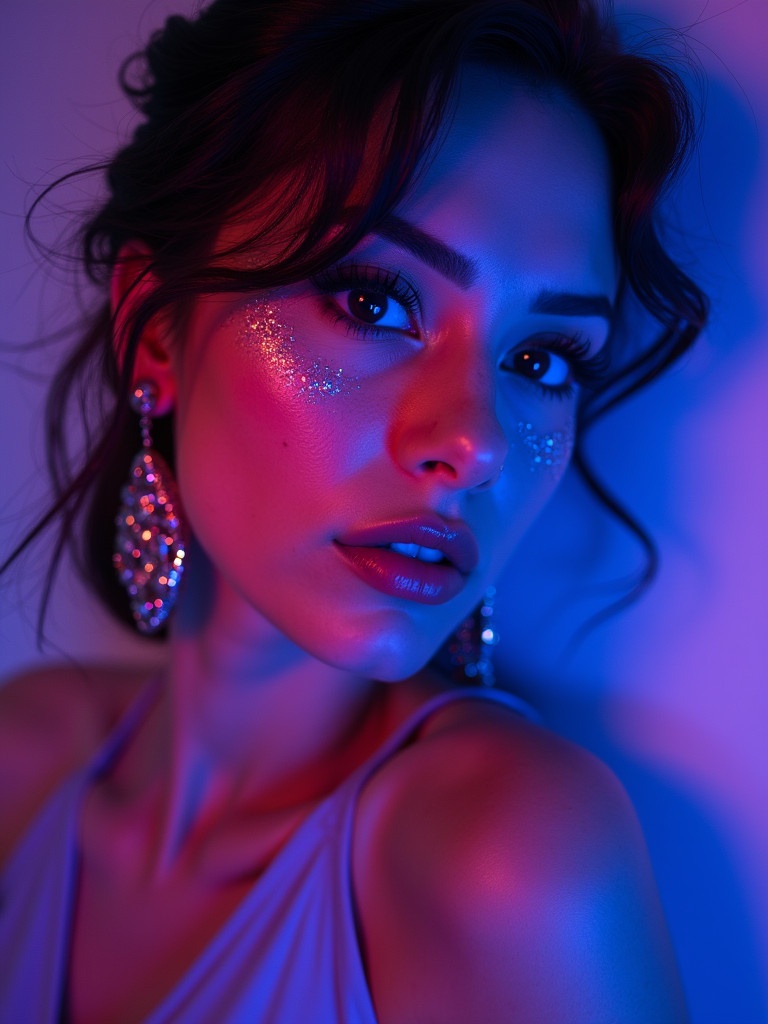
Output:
[[261, 328], [545, 451]]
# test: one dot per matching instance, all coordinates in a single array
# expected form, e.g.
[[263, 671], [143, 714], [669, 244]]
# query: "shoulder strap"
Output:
[[416, 720]]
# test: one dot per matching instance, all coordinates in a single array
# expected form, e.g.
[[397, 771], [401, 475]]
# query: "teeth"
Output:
[[416, 551]]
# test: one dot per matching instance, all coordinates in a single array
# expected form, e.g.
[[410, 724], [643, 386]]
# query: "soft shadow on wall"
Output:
[[672, 692]]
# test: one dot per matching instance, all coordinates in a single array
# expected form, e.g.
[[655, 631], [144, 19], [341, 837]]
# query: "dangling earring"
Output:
[[471, 646], [150, 542]]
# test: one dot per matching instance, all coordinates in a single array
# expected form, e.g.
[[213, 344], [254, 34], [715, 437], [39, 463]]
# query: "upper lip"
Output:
[[454, 539]]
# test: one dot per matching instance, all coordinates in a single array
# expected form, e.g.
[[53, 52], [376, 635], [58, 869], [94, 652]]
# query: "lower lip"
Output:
[[400, 576]]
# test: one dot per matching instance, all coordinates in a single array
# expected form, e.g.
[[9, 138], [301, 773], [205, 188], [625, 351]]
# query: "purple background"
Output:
[[673, 692]]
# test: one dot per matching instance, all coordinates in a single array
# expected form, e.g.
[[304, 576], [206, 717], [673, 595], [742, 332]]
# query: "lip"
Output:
[[366, 551]]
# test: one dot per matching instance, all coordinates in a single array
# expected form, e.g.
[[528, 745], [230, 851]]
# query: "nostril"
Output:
[[435, 465]]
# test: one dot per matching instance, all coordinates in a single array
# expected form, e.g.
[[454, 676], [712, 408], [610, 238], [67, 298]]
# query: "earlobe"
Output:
[[131, 284]]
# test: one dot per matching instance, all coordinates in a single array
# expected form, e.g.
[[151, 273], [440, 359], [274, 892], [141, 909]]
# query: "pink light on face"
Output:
[[261, 328]]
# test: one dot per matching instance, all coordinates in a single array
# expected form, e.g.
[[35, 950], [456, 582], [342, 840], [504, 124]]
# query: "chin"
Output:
[[387, 655], [386, 666]]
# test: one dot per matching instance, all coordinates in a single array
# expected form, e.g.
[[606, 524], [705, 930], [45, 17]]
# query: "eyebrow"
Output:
[[463, 271], [572, 304], [436, 254]]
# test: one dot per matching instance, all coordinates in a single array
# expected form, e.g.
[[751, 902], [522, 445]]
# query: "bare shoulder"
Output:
[[501, 874], [52, 721]]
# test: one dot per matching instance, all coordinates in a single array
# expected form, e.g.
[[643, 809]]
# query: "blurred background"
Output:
[[672, 692]]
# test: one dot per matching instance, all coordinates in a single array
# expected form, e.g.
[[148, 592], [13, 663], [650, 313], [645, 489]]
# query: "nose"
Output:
[[447, 429]]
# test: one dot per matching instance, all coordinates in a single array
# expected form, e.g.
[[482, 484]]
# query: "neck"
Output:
[[247, 724], [261, 717]]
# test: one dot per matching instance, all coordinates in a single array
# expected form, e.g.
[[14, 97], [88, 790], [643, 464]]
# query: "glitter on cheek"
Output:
[[260, 327], [545, 451]]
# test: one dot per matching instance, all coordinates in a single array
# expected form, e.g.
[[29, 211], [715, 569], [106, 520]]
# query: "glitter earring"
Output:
[[150, 542], [470, 648]]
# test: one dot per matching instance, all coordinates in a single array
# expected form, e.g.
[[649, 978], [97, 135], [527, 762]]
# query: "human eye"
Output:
[[557, 363], [369, 301]]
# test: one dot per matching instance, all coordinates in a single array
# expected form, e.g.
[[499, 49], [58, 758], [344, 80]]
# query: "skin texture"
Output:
[[499, 872]]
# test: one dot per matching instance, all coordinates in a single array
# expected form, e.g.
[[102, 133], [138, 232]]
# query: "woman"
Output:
[[367, 266]]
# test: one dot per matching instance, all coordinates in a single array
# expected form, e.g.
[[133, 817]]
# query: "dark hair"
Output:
[[251, 94]]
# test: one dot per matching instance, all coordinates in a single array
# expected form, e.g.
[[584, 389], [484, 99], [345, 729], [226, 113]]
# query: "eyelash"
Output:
[[587, 371], [350, 276]]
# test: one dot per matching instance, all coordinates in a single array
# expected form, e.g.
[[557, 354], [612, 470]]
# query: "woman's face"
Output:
[[359, 454]]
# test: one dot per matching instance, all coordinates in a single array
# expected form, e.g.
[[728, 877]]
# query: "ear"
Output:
[[131, 283]]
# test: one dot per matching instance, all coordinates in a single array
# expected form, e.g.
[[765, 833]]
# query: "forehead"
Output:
[[521, 181]]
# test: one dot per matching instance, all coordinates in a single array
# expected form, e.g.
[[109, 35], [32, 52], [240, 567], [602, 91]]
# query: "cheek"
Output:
[[301, 392], [547, 452], [261, 329], [264, 423], [539, 453]]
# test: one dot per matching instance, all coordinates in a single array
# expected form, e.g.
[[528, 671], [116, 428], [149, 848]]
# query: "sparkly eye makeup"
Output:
[[369, 301], [261, 328], [557, 363], [545, 451]]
